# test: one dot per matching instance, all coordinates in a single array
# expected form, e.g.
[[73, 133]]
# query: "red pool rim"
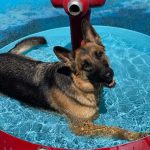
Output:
[[9, 142]]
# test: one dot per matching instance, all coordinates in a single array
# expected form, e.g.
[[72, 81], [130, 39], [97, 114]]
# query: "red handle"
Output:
[[96, 3], [77, 11], [93, 3], [85, 4], [57, 3]]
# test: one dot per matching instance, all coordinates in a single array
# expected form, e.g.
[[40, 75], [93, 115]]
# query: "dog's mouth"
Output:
[[111, 84]]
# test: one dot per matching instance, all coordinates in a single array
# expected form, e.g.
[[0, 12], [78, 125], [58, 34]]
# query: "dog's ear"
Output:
[[63, 54], [89, 33]]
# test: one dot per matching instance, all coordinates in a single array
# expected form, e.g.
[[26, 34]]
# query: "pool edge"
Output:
[[9, 142]]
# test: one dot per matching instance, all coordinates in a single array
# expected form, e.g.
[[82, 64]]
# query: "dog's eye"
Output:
[[98, 54], [86, 66]]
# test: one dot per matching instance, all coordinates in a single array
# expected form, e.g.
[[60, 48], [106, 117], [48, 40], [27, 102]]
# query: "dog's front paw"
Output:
[[135, 135], [142, 135]]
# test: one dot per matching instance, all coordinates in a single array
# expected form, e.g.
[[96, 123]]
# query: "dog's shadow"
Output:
[[102, 104]]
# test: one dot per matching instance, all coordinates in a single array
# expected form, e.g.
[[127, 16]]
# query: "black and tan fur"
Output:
[[70, 87]]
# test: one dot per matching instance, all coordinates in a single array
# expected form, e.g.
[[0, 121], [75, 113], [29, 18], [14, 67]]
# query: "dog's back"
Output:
[[11, 64], [21, 78]]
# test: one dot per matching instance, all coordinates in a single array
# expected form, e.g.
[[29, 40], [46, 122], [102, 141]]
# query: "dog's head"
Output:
[[89, 62]]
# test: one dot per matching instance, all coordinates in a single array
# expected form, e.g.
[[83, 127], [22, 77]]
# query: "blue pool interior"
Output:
[[126, 106]]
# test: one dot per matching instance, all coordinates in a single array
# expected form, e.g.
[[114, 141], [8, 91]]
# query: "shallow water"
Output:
[[126, 106]]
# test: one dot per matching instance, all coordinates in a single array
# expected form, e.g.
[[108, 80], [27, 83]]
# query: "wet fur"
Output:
[[59, 86]]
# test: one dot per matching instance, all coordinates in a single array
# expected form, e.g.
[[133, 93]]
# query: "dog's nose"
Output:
[[109, 75]]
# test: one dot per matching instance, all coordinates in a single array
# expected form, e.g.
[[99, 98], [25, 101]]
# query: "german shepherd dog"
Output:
[[70, 87]]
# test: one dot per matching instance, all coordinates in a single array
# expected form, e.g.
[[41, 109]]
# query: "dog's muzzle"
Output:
[[108, 78]]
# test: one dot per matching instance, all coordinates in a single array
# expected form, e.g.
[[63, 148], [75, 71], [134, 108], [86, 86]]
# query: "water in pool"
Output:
[[126, 106]]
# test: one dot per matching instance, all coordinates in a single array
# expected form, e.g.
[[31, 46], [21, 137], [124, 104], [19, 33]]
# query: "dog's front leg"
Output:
[[90, 129]]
